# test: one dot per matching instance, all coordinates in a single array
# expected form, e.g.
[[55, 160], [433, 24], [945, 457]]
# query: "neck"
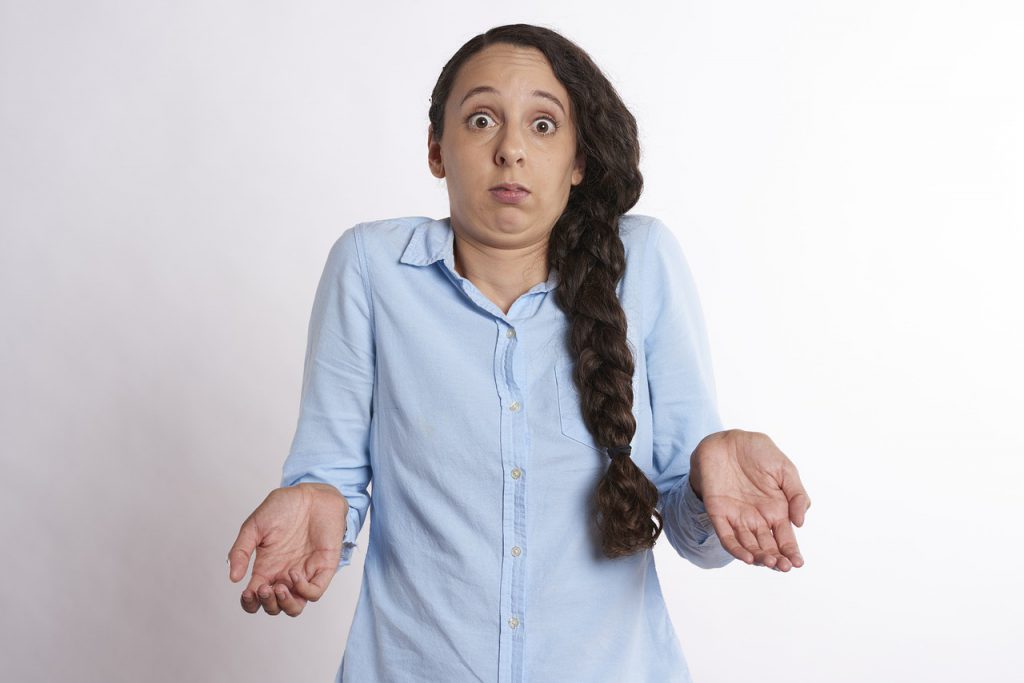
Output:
[[502, 274]]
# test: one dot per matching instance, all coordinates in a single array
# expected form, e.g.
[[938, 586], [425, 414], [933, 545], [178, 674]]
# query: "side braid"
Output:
[[593, 261]]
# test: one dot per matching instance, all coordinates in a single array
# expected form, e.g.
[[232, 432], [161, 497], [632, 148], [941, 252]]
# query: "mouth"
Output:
[[510, 187], [509, 193]]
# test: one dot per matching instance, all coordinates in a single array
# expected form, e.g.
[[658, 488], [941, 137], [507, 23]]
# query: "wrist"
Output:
[[695, 484], [703, 450], [318, 486]]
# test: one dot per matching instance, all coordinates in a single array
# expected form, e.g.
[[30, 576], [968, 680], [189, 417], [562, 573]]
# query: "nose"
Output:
[[511, 149]]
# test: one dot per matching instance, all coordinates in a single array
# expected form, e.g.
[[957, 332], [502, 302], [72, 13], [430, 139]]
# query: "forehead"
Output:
[[512, 70]]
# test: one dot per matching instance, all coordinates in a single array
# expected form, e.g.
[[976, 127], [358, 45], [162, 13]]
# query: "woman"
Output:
[[528, 385]]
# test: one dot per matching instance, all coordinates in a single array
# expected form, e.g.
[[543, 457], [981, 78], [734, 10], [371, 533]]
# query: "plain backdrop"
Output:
[[845, 179]]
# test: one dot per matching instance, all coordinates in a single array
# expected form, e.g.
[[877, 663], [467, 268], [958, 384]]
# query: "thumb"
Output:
[[797, 496], [797, 507], [241, 551]]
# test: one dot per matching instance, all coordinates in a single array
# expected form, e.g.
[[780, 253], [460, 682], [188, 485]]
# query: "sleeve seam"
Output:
[[653, 238], [364, 273]]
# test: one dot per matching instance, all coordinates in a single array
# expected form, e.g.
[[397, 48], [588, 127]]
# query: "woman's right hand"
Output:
[[296, 533]]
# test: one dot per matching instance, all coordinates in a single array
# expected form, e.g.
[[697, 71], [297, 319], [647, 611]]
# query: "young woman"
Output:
[[528, 385]]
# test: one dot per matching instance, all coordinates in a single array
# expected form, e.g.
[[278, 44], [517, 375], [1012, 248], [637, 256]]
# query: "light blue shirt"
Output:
[[482, 562]]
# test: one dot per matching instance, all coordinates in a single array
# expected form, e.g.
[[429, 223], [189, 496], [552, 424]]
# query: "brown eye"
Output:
[[475, 118], [547, 126]]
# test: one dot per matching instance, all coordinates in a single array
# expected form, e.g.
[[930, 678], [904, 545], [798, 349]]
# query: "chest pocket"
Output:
[[570, 413]]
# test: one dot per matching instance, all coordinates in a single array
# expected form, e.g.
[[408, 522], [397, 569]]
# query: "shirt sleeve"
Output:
[[684, 403], [331, 443]]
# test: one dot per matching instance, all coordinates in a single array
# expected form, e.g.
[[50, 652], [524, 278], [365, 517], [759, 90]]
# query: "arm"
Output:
[[332, 438], [683, 397]]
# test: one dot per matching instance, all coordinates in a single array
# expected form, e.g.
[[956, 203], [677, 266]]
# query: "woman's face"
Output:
[[507, 120]]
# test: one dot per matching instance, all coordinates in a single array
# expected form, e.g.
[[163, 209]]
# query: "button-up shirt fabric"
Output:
[[483, 563]]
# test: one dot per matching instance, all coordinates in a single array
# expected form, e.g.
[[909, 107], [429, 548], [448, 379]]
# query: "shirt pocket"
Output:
[[570, 413]]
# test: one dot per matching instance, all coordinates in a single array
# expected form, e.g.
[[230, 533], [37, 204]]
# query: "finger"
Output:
[[241, 550], [786, 538], [268, 600], [798, 506], [302, 587], [250, 596], [288, 603], [727, 537], [749, 541], [767, 543], [322, 578], [250, 603], [796, 494]]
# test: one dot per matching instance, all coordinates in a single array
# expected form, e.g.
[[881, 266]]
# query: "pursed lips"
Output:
[[510, 187]]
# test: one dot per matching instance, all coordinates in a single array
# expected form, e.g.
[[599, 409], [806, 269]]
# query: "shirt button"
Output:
[[513, 622], [516, 551], [516, 473], [514, 406], [510, 332]]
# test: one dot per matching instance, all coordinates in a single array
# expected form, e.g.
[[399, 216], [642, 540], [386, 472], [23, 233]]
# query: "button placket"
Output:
[[516, 444]]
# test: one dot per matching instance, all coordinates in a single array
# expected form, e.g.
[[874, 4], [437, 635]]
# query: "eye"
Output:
[[475, 117], [550, 125]]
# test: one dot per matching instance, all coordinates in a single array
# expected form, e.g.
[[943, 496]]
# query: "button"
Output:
[[516, 551], [513, 622], [516, 473], [514, 406], [510, 332]]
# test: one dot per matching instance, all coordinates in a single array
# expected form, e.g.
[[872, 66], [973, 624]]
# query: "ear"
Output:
[[434, 154], [578, 169]]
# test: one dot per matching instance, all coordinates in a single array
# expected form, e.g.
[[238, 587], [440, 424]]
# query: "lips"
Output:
[[511, 187], [510, 193]]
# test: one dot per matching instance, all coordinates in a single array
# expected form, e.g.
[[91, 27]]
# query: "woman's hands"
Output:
[[296, 533], [751, 491]]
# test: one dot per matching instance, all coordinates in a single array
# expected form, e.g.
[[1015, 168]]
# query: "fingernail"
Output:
[[295, 575]]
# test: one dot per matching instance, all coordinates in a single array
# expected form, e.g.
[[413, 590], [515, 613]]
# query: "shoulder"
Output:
[[643, 237], [636, 230], [376, 242], [384, 231]]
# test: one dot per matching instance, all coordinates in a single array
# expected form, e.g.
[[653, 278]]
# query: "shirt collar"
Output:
[[434, 240]]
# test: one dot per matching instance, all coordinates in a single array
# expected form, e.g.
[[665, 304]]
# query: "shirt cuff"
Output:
[[695, 507], [348, 541]]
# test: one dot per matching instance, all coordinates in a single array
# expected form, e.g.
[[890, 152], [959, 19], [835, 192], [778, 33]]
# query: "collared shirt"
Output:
[[483, 563]]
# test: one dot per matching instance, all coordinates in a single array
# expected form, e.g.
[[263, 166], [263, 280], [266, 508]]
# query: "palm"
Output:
[[297, 528], [300, 530], [751, 491], [743, 485]]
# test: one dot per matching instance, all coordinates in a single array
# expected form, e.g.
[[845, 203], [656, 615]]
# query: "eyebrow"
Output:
[[488, 89]]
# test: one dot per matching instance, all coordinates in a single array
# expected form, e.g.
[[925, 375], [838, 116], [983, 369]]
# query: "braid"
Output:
[[625, 500]]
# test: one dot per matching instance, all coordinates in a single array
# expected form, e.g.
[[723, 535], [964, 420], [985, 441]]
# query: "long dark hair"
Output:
[[587, 251]]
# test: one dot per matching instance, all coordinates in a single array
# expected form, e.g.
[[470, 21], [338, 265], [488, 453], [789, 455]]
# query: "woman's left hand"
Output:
[[752, 492]]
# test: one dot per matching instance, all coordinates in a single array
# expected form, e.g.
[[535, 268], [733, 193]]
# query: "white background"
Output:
[[845, 179]]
